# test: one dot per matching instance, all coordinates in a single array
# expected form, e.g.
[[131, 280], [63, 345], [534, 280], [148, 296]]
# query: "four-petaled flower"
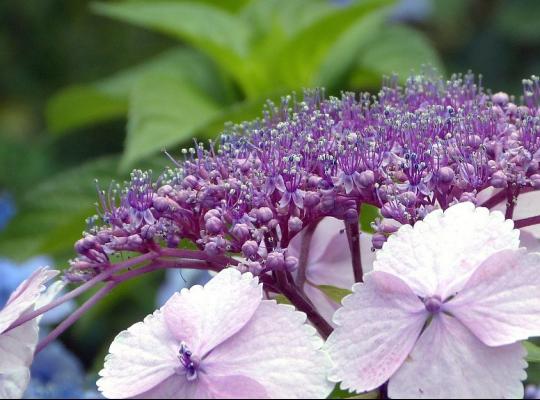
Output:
[[442, 314], [218, 341]]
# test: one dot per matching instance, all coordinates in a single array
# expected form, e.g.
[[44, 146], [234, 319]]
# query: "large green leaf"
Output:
[[533, 352], [343, 54], [52, 215], [77, 106], [106, 99], [221, 35], [164, 112], [304, 55], [398, 49]]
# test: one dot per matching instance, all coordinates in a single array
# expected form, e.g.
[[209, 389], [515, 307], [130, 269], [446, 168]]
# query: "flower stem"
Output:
[[76, 315], [522, 223], [353, 235], [298, 300], [304, 253], [83, 288]]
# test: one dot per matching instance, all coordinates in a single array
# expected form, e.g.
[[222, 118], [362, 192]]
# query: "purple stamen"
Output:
[[433, 304]]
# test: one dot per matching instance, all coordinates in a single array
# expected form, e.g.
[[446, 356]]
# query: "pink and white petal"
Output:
[[377, 328], [230, 387], [140, 358], [449, 362], [205, 387], [276, 349], [174, 387], [16, 354], [500, 303], [438, 254], [203, 317], [25, 297]]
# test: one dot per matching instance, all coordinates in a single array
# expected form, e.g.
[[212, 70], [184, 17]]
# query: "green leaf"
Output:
[[533, 352], [518, 21], [164, 112], [398, 49], [368, 214], [339, 393], [77, 106], [221, 35], [282, 299], [343, 54], [300, 61], [335, 293], [52, 215]]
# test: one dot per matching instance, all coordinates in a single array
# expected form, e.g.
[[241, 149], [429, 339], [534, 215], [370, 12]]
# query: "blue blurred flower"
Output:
[[175, 280], [7, 209], [532, 392], [56, 374], [12, 276]]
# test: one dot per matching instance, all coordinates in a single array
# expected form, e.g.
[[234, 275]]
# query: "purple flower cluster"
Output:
[[427, 144]]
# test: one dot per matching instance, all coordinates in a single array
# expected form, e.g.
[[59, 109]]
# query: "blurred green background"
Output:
[[91, 89]]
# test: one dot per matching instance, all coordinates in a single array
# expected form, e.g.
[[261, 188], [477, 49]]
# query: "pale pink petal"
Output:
[[17, 345], [205, 316], [450, 362], [25, 297], [500, 303], [230, 387], [438, 254], [16, 354], [276, 349], [141, 358], [376, 329], [218, 387]]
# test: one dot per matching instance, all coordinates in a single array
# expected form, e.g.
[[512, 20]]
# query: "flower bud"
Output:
[[295, 224], [250, 248], [213, 225], [275, 261]]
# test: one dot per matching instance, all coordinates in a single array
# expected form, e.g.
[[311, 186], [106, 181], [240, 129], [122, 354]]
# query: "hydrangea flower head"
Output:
[[427, 144], [442, 314], [221, 340], [17, 345]]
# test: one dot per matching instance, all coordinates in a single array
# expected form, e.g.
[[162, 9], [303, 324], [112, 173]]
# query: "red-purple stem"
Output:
[[76, 315], [353, 235], [522, 223], [105, 275]]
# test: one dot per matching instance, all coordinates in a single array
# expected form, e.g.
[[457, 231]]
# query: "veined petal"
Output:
[[277, 350], [377, 328], [16, 354], [17, 345], [140, 358], [204, 317], [500, 303], [25, 297], [450, 362], [439, 254], [218, 387]]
